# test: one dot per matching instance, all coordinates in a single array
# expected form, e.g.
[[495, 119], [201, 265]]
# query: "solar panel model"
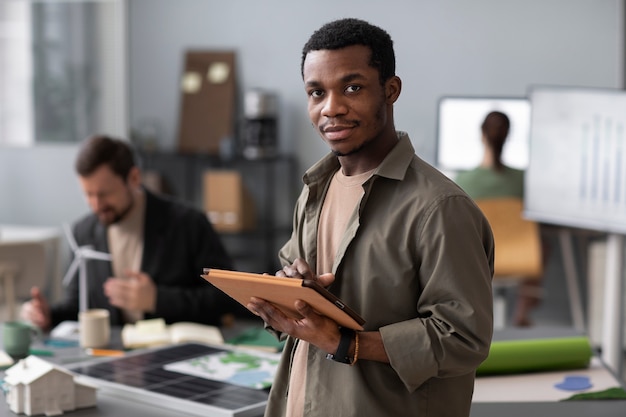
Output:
[[143, 376]]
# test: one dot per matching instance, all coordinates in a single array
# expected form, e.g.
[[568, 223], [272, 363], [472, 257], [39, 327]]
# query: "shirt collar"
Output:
[[393, 166]]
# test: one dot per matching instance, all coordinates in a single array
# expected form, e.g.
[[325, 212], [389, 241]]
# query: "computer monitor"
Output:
[[459, 144]]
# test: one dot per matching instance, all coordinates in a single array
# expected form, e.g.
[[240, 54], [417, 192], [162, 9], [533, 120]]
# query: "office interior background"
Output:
[[451, 47], [443, 48]]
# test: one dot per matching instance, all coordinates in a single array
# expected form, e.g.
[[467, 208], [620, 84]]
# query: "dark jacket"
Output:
[[179, 242]]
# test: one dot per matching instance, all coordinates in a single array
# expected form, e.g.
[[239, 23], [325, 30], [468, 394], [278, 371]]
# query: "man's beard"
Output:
[[368, 142], [118, 216], [355, 150]]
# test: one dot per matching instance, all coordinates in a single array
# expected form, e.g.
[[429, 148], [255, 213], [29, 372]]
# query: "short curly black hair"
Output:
[[347, 32]]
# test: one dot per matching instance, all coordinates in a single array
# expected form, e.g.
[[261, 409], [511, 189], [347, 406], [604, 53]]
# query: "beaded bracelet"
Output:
[[356, 349]]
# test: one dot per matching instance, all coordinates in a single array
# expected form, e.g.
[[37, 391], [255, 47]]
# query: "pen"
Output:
[[104, 352]]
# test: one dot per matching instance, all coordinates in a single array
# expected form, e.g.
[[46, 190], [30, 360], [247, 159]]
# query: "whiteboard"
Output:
[[577, 171], [459, 134]]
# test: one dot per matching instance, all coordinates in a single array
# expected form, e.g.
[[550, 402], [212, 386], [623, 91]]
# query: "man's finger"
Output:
[[303, 308]]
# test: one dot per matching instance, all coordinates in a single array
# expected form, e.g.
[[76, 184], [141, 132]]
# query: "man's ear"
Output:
[[393, 86], [134, 177]]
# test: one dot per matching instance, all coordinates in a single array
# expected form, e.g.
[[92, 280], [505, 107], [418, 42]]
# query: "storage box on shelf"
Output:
[[227, 201]]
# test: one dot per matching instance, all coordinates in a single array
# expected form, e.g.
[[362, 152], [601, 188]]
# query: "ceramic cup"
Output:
[[17, 337], [94, 328]]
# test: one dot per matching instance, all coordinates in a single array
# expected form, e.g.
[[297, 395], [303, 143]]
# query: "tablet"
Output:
[[282, 292]]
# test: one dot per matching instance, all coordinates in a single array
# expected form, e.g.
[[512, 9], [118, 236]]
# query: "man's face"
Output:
[[109, 196], [346, 101]]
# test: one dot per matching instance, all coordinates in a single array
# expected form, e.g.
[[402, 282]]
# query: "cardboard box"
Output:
[[228, 203]]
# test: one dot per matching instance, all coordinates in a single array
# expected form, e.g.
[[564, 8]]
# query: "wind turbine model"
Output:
[[81, 255]]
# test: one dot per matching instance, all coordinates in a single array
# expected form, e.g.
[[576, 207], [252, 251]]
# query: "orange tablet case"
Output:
[[282, 292]]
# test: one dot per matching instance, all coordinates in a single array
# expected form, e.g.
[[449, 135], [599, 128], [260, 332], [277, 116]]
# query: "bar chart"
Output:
[[577, 171]]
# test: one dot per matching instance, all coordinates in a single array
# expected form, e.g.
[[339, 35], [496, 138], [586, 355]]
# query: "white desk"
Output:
[[22, 233], [539, 386], [535, 395]]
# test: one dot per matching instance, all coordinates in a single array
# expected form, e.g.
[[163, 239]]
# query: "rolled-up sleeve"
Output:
[[452, 333]]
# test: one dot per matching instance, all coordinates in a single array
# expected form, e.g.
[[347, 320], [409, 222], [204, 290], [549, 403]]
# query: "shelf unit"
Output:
[[272, 182]]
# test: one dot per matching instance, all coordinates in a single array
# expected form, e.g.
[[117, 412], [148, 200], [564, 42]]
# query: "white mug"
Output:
[[94, 328]]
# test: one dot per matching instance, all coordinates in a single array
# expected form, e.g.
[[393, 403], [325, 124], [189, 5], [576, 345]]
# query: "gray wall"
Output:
[[478, 47], [448, 47], [38, 186]]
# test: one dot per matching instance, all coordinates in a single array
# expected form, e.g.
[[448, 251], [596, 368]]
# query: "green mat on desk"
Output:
[[533, 355], [257, 337], [615, 393]]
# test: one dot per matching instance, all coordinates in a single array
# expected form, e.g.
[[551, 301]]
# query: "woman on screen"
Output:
[[492, 179]]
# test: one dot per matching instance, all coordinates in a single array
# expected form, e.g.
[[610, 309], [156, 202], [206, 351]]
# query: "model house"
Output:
[[34, 387]]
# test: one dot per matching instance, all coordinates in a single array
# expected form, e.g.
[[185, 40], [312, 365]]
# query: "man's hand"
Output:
[[313, 328], [301, 269], [136, 292], [37, 310]]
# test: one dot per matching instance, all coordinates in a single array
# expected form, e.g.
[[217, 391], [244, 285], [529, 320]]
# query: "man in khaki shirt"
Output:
[[407, 249]]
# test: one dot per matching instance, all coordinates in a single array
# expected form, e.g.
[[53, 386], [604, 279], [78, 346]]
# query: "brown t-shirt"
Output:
[[344, 193]]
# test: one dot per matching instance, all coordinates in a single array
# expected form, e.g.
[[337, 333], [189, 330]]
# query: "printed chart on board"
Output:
[[577, 171]]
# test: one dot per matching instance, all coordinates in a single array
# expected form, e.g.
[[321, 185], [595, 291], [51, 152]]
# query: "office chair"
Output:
[[518, 254]]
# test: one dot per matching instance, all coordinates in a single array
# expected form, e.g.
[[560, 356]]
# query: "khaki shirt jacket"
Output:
[[416, 262]]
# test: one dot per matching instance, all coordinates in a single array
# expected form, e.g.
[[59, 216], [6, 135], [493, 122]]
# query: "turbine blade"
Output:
[[70, 237], [93, 254], [71, 271]]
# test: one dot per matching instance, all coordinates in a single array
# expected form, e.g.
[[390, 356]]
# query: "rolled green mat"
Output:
[[531, 355]]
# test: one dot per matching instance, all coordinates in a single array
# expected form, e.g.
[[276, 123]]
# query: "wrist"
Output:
[[345, 344]]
